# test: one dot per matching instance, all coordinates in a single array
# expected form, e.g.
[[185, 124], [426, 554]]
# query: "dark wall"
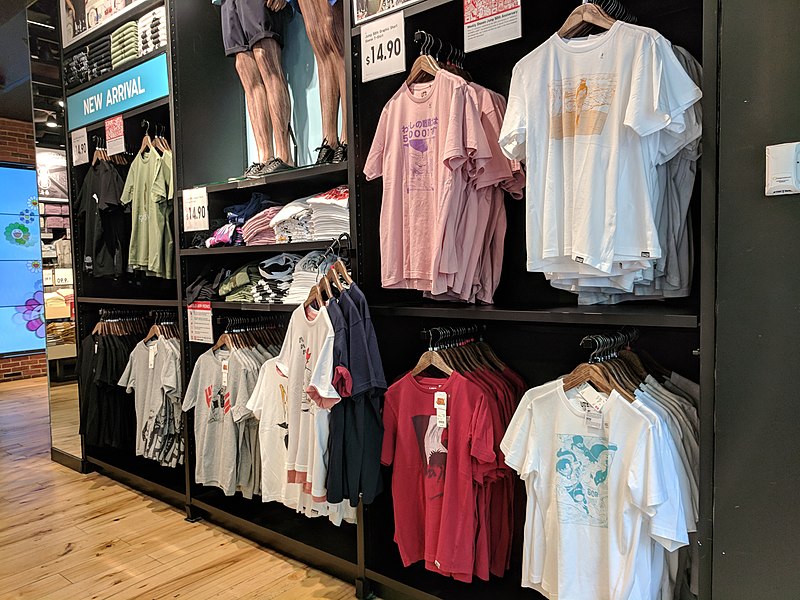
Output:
[[757, 473]]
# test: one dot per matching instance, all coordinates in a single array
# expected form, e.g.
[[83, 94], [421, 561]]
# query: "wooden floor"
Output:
[[69, 536]]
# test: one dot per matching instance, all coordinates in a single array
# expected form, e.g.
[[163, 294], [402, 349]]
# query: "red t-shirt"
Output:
[[433, 482]]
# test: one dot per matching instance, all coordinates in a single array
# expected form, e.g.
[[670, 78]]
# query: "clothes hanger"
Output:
[[431, 358], [313, 296], [425, 67], [585, 14], [147, 143]]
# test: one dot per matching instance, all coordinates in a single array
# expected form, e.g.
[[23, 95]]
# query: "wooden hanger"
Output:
[[324, 285], [424, 68], [223, 341], [431, 358], [333, 276], [154, 332], [341, 270], [586, 13], [313, 296]]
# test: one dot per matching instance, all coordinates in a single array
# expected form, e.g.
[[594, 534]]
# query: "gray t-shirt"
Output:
[[216, 433]]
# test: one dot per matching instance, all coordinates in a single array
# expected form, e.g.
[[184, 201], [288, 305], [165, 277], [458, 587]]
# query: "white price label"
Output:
[[383, 47], [201, 322], [195, 209], [80, 147], [63, 277], [48, 277]]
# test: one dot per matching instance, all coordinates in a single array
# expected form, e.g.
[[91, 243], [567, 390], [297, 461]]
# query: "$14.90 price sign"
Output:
[[195, 209], [383, 47]]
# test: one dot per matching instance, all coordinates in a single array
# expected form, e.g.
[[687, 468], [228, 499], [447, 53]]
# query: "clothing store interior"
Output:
[[399, 299]]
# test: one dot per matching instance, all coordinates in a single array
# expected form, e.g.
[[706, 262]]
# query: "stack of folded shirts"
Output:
[[227, 235], [293, 223], [76, 69], [330, 213], [277, 273], [60, 333], [307, 272], [152, 31], [239, 214], [238, 287], [206, 285], [56, 223], [99, 53], [125, 44], [258, 231]]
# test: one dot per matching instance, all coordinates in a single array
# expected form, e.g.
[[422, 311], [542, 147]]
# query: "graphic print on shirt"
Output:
[[305, 403], [285, 423], [582, 463], [580, 105], [420, 160], [219, 404], [432, 441]]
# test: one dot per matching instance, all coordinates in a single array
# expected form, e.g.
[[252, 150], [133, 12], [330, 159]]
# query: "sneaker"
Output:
[[276, 165], [340, 154], [324, 154], [247, 172]]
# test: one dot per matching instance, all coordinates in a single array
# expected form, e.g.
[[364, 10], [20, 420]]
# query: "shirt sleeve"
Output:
[[127, 189], [515, 441], [389, 429], [190, 399], [668, 526], [482, 433], [514, 132], [645, 482], [284, 358], [320, 386], [128, 380], [661, 90], [255, 403], [373, 168]]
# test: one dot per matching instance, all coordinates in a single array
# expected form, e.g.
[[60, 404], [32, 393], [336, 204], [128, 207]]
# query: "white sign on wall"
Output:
[[195, 209], [383, 47]]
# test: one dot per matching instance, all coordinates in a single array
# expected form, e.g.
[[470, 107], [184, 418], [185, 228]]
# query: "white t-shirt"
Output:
[[579, 112], [595, 491], [306, 359]]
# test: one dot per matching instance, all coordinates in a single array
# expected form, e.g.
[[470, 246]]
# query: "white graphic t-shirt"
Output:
[[592, 492], [579, 113]]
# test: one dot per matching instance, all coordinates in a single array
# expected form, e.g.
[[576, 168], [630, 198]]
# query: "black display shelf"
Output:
[[656, 315], [254, 306], [127, 301], [272, 248], [108, 74], [324, 174], [412, 10], [115, 23]]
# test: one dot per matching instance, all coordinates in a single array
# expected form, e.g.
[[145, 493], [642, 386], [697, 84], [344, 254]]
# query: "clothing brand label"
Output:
[[141, 84]]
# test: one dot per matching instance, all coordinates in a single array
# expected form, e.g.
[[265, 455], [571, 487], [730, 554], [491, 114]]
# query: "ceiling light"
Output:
[[51, 121]]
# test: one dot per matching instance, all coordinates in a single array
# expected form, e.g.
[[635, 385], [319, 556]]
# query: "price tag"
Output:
[[592, 396], [594, 419], [383, 47], [47, 277], [195, 209], [224, 373], [80, 147], [115, 135], [200, 319], [63, 277]]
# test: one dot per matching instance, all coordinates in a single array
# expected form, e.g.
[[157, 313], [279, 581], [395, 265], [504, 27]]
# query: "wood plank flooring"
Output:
[[67, 536]]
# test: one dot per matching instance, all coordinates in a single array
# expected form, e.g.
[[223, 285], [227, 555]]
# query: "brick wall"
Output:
[[23, 366], [16, 142]]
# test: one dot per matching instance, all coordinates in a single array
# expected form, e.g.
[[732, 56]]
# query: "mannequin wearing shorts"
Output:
[[253, 32], [325, 29]]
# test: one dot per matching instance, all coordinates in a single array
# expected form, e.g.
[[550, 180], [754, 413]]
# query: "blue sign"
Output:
[[135, 87]]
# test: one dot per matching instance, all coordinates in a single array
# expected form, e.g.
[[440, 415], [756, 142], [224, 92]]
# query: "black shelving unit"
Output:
[[322, 176], [128, 65], [268, 248]]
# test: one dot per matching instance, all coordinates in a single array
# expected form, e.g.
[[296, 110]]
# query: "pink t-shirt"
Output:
[[428, 142]]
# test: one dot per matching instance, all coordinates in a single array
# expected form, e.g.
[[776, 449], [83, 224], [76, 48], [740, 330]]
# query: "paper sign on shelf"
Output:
[[491, 22], [115, 135], [383, 47], [195, 209], [201, 322], [48, 277], [80, 147], [63, 277]]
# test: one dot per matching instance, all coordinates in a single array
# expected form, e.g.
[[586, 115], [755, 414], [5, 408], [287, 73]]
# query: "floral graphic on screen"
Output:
[[31, 314], [27, 216], [35, 266], [18, 234]]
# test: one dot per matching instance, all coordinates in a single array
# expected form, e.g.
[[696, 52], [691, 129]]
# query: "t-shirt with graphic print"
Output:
[[216, 434], [435, 470], [429, 139], [579, 114], [591, 493], [306, 358]]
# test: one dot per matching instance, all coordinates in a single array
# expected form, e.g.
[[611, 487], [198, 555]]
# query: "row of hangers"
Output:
[[121, 322], [336, 277], [460, 349], [101, 153], [593, 15], [158, 143], [428, 64], [165, 325], [613, 365], [249, 332]]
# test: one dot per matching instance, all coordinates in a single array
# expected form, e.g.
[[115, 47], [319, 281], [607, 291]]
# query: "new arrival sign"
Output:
[[141, 84]]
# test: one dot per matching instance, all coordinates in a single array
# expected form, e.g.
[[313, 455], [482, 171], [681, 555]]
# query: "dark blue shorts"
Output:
[[246, 22]]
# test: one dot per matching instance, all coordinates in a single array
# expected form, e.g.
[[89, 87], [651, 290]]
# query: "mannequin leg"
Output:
[[256, 95], [267, 54], [319, 22], [338, 32]]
